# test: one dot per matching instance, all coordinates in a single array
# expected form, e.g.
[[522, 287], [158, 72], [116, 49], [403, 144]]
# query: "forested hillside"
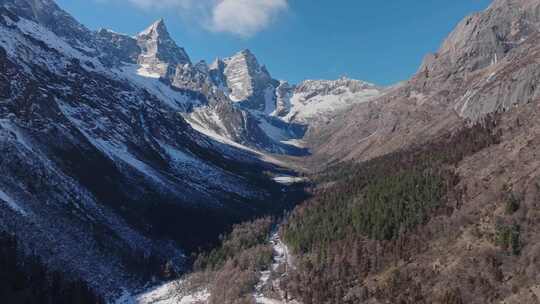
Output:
[[451, 221], [366, 218]]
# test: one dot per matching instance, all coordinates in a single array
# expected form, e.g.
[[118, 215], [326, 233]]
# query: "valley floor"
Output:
[[165, 294], [267, 291]]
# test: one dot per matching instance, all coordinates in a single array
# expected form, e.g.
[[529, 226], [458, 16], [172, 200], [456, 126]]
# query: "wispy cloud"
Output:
[[243, 18]]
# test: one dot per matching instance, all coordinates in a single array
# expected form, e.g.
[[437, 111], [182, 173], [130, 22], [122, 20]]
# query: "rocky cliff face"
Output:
[[482, 39], [249, 82], [159, 53], [486, 42], [488, 64]]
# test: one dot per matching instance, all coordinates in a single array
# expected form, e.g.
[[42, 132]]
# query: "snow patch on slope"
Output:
[[269, 101], [113, 150], [52, 40], [203, 174], [305, 106], [200, 127], [168, 293], [13, 130], [11, 203], [288, 180], [275, 133], [121, 153], [145, 71], [142, 78], [281, 257], [20, 45]]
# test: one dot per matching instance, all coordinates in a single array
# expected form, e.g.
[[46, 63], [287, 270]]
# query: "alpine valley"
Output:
[[131, 174]]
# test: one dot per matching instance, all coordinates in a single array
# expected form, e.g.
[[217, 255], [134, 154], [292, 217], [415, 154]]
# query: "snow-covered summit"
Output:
[[281, 107], [333, 87], [248, 81], [315, 100], [157, 27], [159, 52], [235, 97]]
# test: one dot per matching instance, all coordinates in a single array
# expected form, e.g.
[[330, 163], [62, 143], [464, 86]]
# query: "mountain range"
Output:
[[116, 147], [120, 154]]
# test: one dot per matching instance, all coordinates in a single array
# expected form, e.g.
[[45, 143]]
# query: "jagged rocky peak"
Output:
[[192, 77], [245, 57], [156, 29], [284, 94], [238, 71], [248, 81], [218, 64], [202, 67], [243, 71], [160, 54], [485, 38], [217, 73]]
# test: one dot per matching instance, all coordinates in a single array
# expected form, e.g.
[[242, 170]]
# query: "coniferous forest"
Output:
[[365, 217], [362, 219], [232, 269]]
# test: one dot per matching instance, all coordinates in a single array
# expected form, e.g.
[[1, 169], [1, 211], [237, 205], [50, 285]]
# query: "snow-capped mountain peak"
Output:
[[248, 81], [159, 52], [315, 100], [158, 27]]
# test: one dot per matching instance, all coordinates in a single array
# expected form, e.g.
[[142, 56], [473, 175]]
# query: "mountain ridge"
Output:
[[238, 85]]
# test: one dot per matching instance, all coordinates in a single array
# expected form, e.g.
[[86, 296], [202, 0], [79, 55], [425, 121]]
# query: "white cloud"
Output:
[[244, 18]]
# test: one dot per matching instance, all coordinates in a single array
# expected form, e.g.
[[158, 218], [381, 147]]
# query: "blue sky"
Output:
[[373, 40]]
